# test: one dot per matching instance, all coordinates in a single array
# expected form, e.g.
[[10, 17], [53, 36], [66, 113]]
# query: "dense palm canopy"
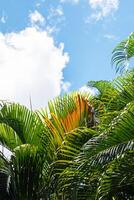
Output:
[[37, 139], [80, 147], [113, 137]]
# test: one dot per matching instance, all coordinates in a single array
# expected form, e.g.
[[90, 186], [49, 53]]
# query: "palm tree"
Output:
[[67, 119], [100, 171], [77, 147], [36, 140], [24, 171]]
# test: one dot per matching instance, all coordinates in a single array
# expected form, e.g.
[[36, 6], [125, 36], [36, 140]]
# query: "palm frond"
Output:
[[71, 147], [8, 137], [22, 126], [26, 172], [65, 114], [116, 140], [112, 97], [122, 53], [24, 122], [118, 180]]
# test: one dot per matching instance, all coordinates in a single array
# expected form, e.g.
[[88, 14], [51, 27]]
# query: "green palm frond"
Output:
[[122, 53], [67, 180], [116, 140], [85, 170], [26, 173], [66, 153], [72, 183], [19, 125], [106, 95], [118, 180], [74, 140], [112, 97], [125, 87], [21, 131], [8, 137], [71, 147], [102, 86], [24, 122]]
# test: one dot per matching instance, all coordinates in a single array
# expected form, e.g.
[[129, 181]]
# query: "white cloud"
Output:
[[38, 5], [110, 37], [103, 8], [65, 86], [31, 66], [55, 12], [85, 89], [55, 19], [3, 18], [36, 18], [59, 11]]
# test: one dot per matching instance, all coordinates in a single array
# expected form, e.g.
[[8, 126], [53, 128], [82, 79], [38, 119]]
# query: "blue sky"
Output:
[[49, 47]]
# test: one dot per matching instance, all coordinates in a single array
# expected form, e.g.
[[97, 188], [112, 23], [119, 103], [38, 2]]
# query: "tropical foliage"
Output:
[[80, 147], [123, 52]]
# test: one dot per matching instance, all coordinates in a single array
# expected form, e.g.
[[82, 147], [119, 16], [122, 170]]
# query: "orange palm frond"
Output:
[[67, 113]]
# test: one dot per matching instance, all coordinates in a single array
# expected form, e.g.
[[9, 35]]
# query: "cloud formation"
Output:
[[110, 37], [3, 18], [103, 8], [36, 18], [54, 12], [31, 65], [55, 19], [88, 90]]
